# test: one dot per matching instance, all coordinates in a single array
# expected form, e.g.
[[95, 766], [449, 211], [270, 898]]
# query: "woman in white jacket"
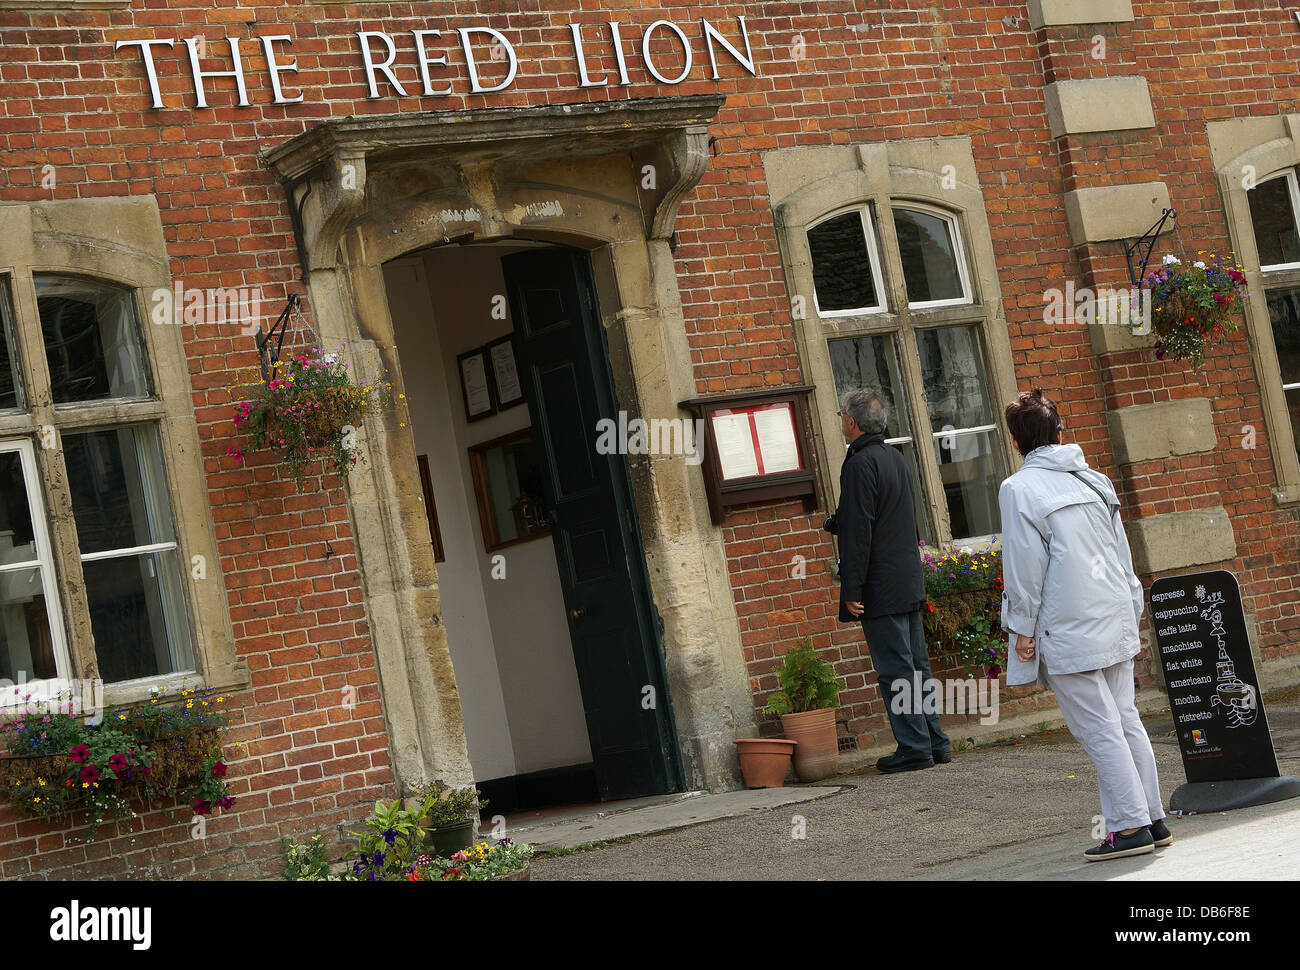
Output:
[[1072, 603]]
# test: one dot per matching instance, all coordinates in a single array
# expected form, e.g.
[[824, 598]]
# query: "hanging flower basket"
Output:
[[1194, 305], [309, 411]]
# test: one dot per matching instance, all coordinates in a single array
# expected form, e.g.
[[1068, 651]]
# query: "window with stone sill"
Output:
[[1275, 219], [104, 433], [937, 337]]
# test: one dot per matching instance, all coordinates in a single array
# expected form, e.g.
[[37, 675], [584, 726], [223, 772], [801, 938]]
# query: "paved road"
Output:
[[1004, 812]]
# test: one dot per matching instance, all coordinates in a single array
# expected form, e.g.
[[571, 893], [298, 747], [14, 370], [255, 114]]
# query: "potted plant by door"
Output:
[[806, 705], [764, 761], [449, 817]]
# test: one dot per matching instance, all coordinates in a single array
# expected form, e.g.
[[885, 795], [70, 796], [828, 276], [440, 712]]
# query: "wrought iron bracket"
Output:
[[1148, 239], [266, 357]]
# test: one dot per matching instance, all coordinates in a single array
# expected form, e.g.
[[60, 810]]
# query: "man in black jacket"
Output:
[[881, 583]]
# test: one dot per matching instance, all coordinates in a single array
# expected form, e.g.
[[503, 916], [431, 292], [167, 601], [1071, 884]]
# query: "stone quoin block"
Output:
[[1115, 211], [1059, 13], [1177, 540], [1149, 431], [1098, 104]]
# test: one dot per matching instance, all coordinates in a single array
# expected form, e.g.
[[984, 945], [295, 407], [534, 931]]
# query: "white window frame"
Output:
[[39, 689], [873, 258], [1293, 189], [958, 251], [188, 671]]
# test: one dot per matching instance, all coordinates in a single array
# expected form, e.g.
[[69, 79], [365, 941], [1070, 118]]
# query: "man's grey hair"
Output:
[[868, 407]]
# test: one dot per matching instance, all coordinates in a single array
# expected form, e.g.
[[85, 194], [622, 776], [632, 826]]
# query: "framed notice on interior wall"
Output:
[[426, 486], [505, 375], [757, 448], [476, 384]]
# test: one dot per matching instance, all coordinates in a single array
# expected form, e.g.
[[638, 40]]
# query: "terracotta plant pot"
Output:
[[764, 761], [817, 755]]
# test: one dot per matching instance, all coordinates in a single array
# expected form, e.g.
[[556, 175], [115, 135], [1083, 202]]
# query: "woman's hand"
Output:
[[1025, 648]]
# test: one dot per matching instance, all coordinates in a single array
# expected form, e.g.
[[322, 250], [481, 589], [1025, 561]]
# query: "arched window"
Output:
[[925, 352], [846, 264]]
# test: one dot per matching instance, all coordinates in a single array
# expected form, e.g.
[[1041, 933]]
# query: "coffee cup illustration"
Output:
[[1237, 700]]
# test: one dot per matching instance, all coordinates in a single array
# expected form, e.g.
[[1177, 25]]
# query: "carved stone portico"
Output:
[[604, 177]]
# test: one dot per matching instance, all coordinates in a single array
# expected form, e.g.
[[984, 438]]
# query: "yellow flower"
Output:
[[41, 782]]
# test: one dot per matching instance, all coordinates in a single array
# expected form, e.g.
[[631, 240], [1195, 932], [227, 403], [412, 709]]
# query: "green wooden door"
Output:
[[563, 365]]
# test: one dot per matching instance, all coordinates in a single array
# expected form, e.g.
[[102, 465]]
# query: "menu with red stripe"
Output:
[[756, 441]]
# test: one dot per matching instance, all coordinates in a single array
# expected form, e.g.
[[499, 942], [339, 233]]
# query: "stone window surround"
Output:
[[117, 241], [1269, 146], [806, 184]]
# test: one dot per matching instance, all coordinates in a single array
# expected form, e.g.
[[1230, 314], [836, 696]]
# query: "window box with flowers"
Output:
[[309, 411], [1194, 305], [57, 764], [963, 608]]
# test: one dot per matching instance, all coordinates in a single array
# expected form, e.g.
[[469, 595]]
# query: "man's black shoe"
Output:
[[942, 757], [1116, 845], [898, 762]]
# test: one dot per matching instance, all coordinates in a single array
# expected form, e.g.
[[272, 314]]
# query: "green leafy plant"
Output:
[[447, 805], [304, 861], [389, 843], [808, 683]]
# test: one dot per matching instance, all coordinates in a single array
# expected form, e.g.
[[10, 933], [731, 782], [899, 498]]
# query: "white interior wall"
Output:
[[509, 638]]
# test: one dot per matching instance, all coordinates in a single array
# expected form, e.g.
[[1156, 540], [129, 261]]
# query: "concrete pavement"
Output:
[[1009, 811]]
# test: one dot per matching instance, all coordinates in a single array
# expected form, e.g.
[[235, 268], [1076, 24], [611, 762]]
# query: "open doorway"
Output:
[[552, 633]]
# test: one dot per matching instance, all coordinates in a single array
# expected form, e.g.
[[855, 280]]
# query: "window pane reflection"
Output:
[[864, 362], [842, 273], [92, 340], [928, 251], [1274, 222], [26, 646], [1284, 312], [135, 604], [9, 386], [118, 497]]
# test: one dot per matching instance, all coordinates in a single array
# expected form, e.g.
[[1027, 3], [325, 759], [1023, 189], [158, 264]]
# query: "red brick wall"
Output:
[[918, 69]]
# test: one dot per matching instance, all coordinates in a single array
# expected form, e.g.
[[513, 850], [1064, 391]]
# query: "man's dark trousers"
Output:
[[897, 645]]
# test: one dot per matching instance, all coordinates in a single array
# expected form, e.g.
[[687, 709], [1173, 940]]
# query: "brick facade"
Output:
[[831, 73]]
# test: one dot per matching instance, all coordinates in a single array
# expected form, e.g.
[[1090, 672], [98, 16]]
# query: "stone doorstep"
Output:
[[1153, 701], [692, 808]]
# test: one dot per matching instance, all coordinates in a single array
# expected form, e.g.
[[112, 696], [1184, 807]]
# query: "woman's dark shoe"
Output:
[[1117, 845], [1160, 833], [899, 762], [941, 757]]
